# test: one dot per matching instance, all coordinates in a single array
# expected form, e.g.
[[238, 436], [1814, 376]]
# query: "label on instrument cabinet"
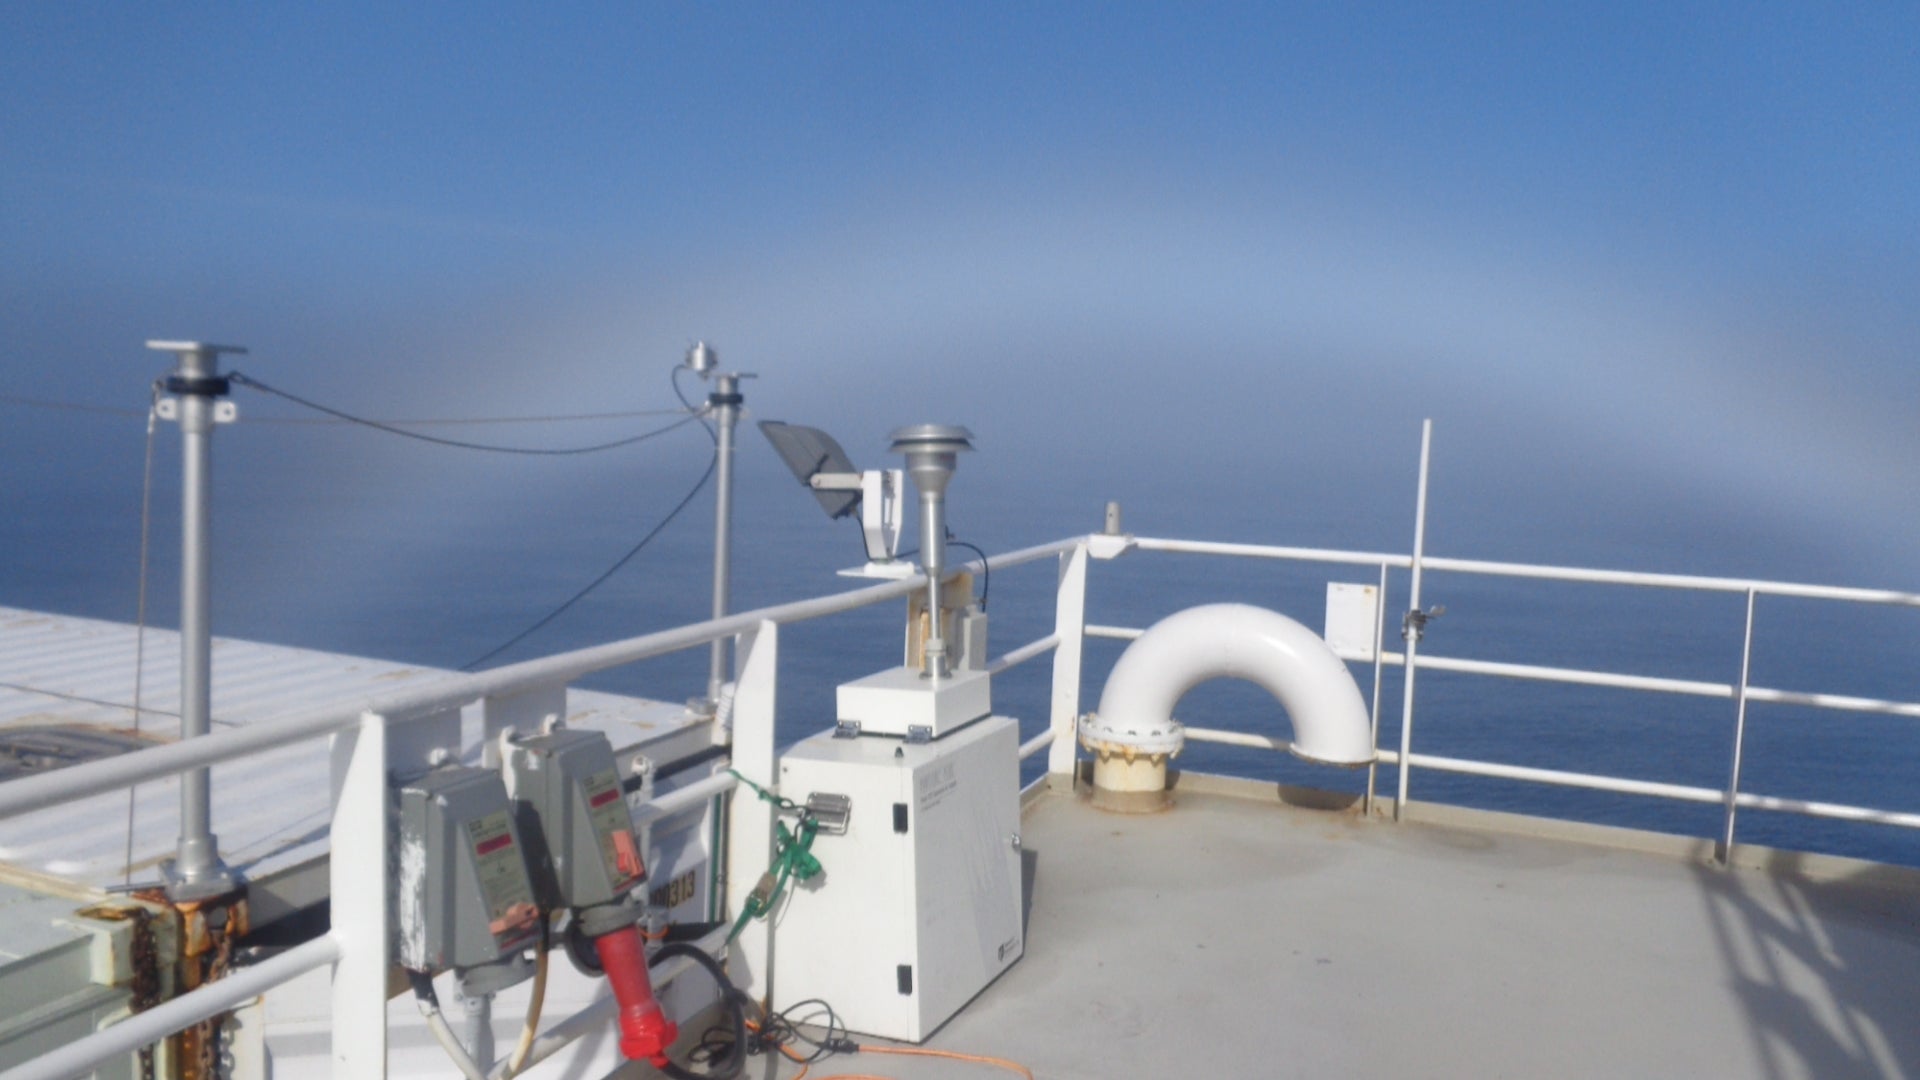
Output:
[[933, 785]]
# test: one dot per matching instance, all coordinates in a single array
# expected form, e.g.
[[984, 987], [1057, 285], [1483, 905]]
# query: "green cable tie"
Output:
[[793, 859]]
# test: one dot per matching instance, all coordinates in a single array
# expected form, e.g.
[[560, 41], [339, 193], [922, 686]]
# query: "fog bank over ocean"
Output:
[[1650, 270]]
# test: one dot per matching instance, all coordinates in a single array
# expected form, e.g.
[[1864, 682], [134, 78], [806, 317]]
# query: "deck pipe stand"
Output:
[[196, 872], [1133, 734]]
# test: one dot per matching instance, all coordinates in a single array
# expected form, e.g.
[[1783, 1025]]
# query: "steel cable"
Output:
[[243, 379]]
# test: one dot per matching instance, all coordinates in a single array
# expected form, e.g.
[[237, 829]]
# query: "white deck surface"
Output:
[[1240, 938]]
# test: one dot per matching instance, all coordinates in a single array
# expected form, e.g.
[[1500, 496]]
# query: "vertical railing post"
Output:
[[1414, 622], [1379, 643], [1739, 734], [749, 818], [357, 871], [1069, 625]]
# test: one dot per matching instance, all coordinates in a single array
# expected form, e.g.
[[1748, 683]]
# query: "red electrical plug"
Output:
[[645, 1031]]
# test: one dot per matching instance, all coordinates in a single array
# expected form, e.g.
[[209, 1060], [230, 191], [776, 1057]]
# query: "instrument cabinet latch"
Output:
[[832, 812]]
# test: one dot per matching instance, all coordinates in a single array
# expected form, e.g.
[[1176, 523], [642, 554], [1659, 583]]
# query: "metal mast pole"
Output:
[[197, 871], [725, 401], [725, 404]]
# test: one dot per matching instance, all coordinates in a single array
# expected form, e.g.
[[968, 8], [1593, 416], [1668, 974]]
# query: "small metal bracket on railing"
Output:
[[1413, 627]]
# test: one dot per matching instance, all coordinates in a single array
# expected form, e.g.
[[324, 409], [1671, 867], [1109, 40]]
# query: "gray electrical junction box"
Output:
[[464, 897], [566, 793]]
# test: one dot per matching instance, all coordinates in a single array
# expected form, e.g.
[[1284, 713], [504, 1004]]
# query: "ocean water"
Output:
[[345, 540]]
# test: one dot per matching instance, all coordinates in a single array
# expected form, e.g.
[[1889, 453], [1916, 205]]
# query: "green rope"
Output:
[[793, 858]]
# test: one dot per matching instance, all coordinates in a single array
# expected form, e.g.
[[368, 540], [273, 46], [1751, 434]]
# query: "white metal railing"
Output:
[[1739, 691], [357, 942]]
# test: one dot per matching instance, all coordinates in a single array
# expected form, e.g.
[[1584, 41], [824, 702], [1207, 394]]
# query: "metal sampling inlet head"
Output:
[[931, 451]]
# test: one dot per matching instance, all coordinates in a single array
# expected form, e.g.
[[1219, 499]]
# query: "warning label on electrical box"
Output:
[[503, 877]]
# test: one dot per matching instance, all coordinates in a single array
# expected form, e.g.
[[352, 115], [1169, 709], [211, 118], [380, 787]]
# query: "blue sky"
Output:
[[1639, 262]]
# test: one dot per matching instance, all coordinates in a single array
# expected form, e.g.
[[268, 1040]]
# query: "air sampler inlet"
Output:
[[932, 451]]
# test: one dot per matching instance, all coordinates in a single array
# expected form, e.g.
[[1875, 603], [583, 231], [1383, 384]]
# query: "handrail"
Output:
[[112, 774], [1273, 551], [1016, 657], [1538, 571], [82, 1056], [1036, 744], [1693, 582], [1741, 692]]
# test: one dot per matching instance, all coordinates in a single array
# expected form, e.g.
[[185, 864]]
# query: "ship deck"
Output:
[[1237, 936]]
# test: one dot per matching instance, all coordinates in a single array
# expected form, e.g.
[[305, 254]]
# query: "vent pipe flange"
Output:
[[1133, 734]]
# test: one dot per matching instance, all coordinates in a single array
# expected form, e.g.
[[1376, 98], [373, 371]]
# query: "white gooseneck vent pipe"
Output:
[[1134, 732]]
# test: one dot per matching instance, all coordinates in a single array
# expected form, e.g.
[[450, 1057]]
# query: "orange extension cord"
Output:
[[978, 1059]]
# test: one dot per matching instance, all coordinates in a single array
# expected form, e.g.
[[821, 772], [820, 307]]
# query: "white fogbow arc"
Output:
[[1240, 641]]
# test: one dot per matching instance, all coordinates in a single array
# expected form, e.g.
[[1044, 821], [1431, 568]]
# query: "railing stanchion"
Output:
[[1379, 644], [358, 887], [750, 818], [1069, 627], [1413, 627], [1739, 733]]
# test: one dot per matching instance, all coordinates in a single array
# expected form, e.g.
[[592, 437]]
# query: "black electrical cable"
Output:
[[733, 1000], [986, 572], [691, 407], [780, 1029], [580, 950], [461, 444], [695, 413], [436, 421], [422, 984], [69, 406], [609, 572]]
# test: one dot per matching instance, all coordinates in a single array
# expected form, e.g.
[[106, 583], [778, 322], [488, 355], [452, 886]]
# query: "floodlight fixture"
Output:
[[821, 465], [809, 452]]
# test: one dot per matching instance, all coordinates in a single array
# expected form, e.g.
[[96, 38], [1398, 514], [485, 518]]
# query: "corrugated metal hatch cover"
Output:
[[30, 748]]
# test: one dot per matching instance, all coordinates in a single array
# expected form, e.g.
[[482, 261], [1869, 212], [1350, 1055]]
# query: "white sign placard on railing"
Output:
[[1352, 613]]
